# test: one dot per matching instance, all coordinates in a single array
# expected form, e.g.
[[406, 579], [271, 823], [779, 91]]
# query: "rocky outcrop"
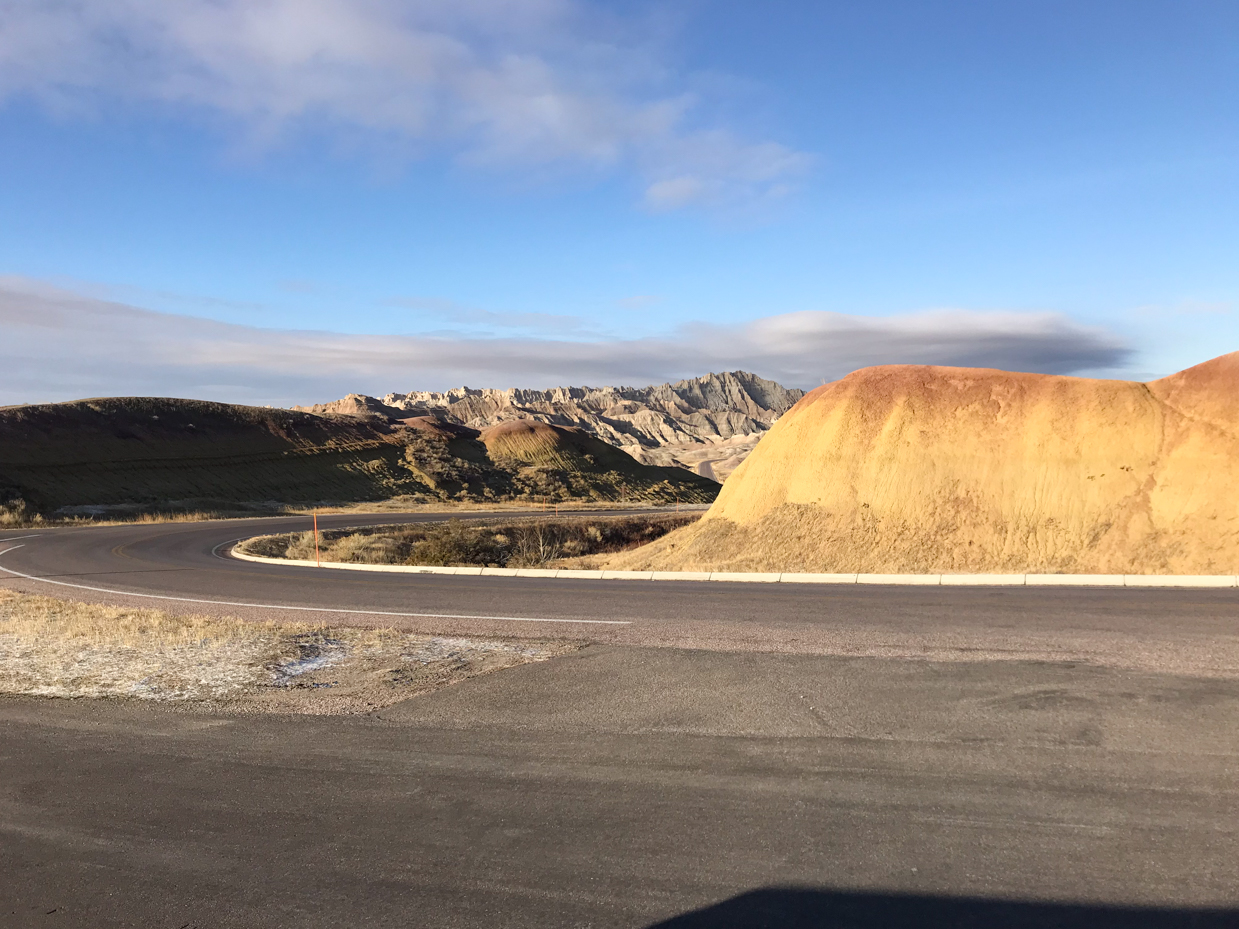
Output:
[[706, 424], [959, 470], [354, 405]]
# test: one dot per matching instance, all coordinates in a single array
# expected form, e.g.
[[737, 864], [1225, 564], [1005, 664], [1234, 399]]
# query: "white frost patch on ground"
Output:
[[314, 653], [439, 648], [60, 648]]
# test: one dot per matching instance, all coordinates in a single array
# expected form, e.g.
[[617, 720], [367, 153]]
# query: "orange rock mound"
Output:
[[931, 469]]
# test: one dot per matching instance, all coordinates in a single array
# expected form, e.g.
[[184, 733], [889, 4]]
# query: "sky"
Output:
[[283, 201]]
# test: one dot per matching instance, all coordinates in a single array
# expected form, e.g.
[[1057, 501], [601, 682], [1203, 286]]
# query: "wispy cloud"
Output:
[[639, 301], [56, 345], [508, 83], [464, 317]]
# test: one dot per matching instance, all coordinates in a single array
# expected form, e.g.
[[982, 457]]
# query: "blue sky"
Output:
[[278, 201]]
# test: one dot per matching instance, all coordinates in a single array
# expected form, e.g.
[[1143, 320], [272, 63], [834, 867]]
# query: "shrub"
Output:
[[17, 514], [453, 543], [524, 543], [536, 544]]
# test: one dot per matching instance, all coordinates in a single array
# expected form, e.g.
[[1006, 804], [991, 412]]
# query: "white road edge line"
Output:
[[215, 550], [311, 609], [1181, 581]]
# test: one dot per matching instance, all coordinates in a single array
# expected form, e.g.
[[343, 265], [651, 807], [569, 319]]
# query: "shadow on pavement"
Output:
[[779, 908]]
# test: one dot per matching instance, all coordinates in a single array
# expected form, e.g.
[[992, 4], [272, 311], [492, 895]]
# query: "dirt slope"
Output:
[[538, 443], [156, 452], [929, 469], [354, 405]]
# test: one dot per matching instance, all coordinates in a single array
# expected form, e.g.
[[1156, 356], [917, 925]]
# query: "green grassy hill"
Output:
[[159, 453]]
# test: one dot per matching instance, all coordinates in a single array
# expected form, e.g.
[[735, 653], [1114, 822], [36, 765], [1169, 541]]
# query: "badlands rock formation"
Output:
[[706, 424], [931, 469]]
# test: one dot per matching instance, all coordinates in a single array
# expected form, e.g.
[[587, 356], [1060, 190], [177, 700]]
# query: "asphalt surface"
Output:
[[625, 787], [821, 757], [1192, 631]]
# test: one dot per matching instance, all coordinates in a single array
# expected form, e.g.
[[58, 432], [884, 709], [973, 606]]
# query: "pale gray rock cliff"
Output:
[[707, 424]]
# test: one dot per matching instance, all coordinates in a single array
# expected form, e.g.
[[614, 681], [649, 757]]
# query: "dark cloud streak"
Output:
[[58, 346]]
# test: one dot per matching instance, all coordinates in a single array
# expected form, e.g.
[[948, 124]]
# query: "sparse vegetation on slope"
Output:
[[193, 455], [924, 469]]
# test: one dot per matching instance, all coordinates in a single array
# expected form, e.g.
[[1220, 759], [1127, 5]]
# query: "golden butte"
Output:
[[909, 468]]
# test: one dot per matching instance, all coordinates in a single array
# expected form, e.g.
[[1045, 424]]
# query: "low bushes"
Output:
[[521, 543]]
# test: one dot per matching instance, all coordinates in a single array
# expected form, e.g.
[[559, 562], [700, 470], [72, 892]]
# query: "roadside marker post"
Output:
[[317, 558]]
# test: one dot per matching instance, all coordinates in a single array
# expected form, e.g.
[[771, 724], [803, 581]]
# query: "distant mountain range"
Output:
[[706, 424]]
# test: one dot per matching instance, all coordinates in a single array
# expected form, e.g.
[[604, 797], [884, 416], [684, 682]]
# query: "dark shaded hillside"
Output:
[[154, 452]]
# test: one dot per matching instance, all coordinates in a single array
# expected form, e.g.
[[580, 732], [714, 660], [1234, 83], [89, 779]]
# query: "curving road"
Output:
[[185, 567], [894, 759]]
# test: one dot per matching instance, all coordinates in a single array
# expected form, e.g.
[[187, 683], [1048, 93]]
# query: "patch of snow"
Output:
[[462, 650], [313, 654]]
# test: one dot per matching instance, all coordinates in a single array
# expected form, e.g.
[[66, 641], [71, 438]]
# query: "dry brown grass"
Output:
[[60, 648], [49, 619], [519, 543], [22, 517]]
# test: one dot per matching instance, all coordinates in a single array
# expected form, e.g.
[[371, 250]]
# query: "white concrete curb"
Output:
[[933, 580]]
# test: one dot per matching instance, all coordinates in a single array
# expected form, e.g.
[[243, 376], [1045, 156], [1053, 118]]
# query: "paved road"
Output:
[[824, 757], [1193, 631], [625, 787]]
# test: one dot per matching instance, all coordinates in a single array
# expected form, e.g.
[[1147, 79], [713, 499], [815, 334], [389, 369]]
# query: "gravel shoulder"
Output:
[[62, 648]]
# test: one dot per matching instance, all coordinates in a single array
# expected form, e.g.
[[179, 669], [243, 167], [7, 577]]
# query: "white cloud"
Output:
[[524, 83], [639, 301], [470, 318], [56, 345], [674, 192]]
